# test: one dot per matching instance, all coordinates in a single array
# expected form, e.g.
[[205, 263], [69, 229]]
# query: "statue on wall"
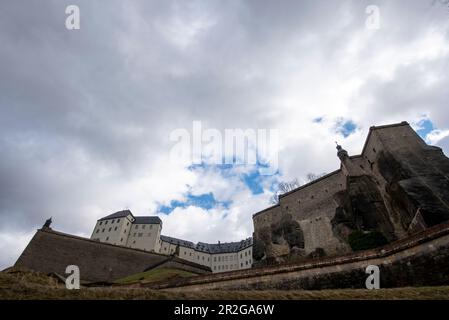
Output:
[[47, 223]]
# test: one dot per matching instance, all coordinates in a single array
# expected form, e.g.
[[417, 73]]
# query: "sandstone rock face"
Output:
[[398, 186]]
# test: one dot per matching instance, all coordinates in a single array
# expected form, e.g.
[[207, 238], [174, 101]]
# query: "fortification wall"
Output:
[[266, 217], [314, 199], [403, 263], [51, 251], [318, 233]]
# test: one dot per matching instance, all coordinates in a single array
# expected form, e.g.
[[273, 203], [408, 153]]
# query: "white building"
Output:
[[220, 257], [124, 229]]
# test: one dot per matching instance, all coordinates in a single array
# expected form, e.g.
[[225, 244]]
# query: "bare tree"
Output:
[[313, 176], [284, 187]]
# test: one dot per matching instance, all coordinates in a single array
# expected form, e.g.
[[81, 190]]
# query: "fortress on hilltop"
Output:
[[396, 187], [388, 206]]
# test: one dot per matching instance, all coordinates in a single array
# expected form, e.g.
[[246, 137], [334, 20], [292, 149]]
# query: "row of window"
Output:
[[231, 257], [140, 234], [143, 226], [107, 239], [232, 266], [98, 230], [219, 258], [112, 221]]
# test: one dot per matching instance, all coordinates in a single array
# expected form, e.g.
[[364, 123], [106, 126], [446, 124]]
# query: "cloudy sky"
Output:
[[86, 115]]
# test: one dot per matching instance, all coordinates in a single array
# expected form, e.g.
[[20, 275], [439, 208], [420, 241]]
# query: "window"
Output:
[[106, 222], [118, 220], [102, 230], [112, 221], [124, 231], [101, 222], [215, 259], [115, 229], [134, 241], [121, 240], [246, 253], [140, 235], [143, 227], [215, 267], [134, 234], [151, 226], [98, 230], [110, 229], [203, 258], [136, 226], [127, 224], [107, 238]]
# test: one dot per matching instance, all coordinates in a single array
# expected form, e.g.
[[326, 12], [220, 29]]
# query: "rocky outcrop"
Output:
[[281, 241], [362, 209], [398, 186]]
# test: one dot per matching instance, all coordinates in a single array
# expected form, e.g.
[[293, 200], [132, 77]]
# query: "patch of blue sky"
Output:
[[345, 127], [205, 201], [250, 178], [425, 127], [254, 181]]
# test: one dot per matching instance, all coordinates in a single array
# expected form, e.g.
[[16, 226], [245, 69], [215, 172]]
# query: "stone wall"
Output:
[[402, 263], [51, 251]]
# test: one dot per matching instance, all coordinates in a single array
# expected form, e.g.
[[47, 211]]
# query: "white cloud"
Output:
[[435, 136]]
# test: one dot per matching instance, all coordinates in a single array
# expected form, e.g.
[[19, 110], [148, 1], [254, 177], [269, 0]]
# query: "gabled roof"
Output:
[[138, 220], [226, 247], [176, 241], [148, 220], [118, 214]]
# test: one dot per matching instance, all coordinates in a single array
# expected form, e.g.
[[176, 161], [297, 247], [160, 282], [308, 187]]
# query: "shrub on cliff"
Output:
[[359, 240]]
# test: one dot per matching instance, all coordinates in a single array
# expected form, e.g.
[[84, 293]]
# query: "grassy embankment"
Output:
[[31, 285]]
